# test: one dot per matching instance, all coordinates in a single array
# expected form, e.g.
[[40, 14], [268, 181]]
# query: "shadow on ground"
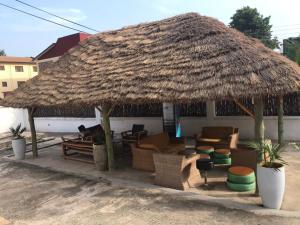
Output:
[[32, 195]]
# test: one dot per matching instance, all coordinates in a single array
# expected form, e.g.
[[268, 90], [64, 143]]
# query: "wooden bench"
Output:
[[73, 147]]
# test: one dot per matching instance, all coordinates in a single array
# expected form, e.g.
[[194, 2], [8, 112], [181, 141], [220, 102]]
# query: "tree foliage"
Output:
[[249, 21], [2, 52], [291, 48]]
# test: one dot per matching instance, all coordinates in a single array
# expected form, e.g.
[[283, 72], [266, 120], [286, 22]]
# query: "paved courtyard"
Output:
[[51, 157], [32, 195]]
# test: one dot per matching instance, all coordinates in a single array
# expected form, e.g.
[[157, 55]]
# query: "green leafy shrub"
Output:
[[17, 132]]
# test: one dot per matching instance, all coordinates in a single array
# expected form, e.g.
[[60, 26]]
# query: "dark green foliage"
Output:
[[2, 52], [17, 132], [271, 153], [297, 146], [252, 23], [291, 48]]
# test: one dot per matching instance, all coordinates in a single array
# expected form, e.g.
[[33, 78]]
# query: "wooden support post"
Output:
[[244, 108], [259, 119], [280, 119], [259, 122], [33, 132], [105, 109]]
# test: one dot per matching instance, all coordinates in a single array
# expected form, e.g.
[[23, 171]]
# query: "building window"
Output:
[[20, 83], [19, 68], [4, 84], [34, 69], [2, 67]]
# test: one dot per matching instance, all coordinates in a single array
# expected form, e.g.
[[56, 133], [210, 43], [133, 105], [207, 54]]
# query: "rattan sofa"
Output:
[[142, 152], [218, 137], [176, 171]]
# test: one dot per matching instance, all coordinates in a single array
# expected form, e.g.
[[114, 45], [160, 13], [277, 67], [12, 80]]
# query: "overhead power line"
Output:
[[289, 29], [52, 14], [294, 34], [287, 25], [27, 13]]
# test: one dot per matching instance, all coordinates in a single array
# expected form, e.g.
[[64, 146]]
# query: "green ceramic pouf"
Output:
[[241, 187], [241, 178], [226, 161], [222, 153], [205, 150]]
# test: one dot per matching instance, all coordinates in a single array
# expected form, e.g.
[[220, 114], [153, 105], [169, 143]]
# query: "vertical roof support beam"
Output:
[[280, 119], [33, 131], [259, 128], [105, 111]]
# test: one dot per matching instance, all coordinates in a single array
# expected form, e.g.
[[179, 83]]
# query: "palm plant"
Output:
[[17, 132], [297, 146], [271, 153]]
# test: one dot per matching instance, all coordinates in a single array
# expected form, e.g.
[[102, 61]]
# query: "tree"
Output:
[[298, 57], [291, 48], [2, 52], [252, 23]]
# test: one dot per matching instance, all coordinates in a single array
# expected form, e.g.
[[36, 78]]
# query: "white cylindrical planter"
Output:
[[100, 157], [271, 185], [19, 148]]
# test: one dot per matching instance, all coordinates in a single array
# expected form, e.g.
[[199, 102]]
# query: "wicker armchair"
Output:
[[142, 158], [176, 171], [134, 135], [142, 153]]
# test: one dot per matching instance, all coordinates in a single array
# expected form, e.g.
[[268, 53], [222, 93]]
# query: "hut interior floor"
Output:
[[51, 158]]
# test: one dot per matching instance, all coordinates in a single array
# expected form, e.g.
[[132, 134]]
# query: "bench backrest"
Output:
[[217, 132]]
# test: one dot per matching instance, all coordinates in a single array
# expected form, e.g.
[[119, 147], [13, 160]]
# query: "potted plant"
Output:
[[99, 153], [18, 142], [270, 174]]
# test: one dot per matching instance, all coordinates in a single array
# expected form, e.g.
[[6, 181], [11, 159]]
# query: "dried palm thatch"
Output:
[[180, 59]]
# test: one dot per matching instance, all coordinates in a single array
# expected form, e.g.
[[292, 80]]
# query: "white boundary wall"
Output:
[[11, 117], [189, 125]]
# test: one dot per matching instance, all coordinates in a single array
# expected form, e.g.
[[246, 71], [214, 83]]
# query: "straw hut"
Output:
[[181, 59]]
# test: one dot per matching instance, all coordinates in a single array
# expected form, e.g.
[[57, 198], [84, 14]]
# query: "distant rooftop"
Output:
[[12, 59], [62, 45]]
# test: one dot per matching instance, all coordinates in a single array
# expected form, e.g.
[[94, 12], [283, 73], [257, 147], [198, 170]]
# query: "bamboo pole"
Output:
[[33, 132], [105, 109], [280, 119]]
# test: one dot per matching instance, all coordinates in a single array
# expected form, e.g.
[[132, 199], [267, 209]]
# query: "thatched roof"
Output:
[[181, 59]]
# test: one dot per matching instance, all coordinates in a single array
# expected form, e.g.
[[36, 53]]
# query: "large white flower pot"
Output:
[[100, 157], [271, 185], [19, 148]]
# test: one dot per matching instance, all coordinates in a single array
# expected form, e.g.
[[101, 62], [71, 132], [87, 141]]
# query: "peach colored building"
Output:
[[14, 71]]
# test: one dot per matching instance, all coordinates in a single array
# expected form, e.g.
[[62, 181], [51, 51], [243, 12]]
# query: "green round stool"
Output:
[[241, 175], [241, 187], [222, 153], [226, 161], [205, 150], [241, 178]]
